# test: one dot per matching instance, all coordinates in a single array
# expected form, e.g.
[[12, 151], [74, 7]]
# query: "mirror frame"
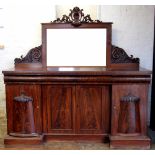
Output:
[[107, 26]]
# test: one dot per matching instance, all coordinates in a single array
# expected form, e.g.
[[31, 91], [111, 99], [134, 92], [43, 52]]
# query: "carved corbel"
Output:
[[129, 98], [22, 98], [129, 115], [23, 117]]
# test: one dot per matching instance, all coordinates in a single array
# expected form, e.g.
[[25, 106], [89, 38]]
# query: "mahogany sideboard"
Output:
[[107, 103], [83, 104]]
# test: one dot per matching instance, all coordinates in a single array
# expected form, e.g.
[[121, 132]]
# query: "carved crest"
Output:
[[118, 55], [76, 17]]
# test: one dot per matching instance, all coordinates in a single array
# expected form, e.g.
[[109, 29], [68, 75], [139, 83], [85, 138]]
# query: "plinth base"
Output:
[[10, 140], [130, 142]]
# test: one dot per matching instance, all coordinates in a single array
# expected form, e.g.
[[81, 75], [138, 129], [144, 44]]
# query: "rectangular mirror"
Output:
[[76, 47], [65, 45]]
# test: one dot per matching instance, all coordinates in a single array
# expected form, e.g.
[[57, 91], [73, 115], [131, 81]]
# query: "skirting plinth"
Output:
[[130, 142], [10, 140]]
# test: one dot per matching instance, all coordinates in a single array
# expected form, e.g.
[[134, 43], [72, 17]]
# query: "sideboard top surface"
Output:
[[75, 71]]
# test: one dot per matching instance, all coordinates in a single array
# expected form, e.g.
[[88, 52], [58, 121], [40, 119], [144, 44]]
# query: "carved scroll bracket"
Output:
[[76, 17], [33, 56], [118, 55]]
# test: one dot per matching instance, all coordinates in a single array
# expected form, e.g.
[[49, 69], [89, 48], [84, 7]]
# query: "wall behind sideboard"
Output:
[[132, 29]]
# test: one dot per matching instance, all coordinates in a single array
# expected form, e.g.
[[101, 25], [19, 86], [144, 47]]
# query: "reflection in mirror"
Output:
[[66, 69], [76, 47]]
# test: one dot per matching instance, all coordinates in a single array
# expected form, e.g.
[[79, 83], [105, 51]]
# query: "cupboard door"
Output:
[[14, 122], [60, 108], [129, 109], [93, 107]]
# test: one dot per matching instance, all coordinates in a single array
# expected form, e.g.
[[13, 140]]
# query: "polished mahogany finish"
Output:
[[84, 104], [60, 103]]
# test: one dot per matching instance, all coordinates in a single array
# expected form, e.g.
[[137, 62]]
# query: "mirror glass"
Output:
[[76, 47]]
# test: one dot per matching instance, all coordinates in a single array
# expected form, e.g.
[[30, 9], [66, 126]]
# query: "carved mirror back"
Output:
[[77, 40]]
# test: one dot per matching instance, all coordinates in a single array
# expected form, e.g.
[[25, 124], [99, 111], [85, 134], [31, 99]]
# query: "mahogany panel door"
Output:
[[129, 109], [59, 112], [93, 109], [13, 112]]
